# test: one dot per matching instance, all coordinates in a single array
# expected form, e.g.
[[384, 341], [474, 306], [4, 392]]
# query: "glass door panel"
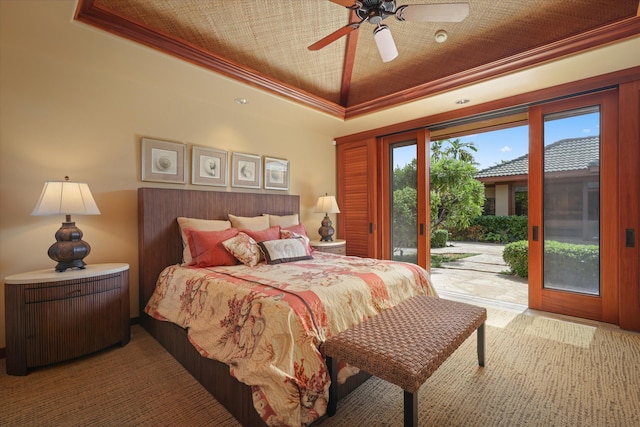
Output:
[[573, 227], [571, 201], [404, 202]]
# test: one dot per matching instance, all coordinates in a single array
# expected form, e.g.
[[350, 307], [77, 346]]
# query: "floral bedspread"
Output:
[[267, 322]]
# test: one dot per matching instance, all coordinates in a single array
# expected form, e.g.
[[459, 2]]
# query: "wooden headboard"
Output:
[[159, 242]]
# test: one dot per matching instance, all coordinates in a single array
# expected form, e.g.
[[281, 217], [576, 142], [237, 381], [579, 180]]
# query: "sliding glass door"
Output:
[[406, 188], [404, 202], [572, 223]]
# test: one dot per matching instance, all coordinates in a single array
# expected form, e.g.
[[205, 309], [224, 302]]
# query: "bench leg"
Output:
[[332, 366], [481, 345], [410, 409]]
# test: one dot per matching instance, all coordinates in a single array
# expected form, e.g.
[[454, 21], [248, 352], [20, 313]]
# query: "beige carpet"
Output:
[[540, 372]]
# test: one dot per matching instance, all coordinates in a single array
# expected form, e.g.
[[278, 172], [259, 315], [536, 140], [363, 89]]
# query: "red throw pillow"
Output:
[[207, 249], [272, 233], [297, 229]]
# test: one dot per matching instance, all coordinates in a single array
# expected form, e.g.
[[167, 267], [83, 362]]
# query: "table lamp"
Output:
[[326, 204], [67, 198]]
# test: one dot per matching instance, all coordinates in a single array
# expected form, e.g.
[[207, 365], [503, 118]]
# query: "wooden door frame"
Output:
[[606, 306]]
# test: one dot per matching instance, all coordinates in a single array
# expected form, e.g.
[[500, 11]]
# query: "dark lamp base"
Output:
[[326, 231], [69, 249]]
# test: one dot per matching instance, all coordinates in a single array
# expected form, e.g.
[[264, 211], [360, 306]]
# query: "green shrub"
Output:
[[490, 228], [561, 262], [439, 238], [516, 255]]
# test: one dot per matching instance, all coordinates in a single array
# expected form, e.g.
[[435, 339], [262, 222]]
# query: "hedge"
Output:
[[561, 260], [497, 229]]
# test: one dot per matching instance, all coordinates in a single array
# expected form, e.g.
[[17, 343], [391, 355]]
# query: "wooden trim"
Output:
[[529, 98], [581, 42], [609, 214], [536, 179], [629, 207], [349, 60], [385, 194], [424, 199], [91, 14]]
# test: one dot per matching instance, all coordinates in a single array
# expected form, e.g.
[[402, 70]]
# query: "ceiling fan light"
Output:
[[386, 45]]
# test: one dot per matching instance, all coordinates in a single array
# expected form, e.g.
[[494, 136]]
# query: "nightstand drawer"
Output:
[[341, 250], [334, 247], [79, 288]]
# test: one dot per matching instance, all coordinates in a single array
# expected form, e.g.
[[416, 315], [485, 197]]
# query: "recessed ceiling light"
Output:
[[462, 101], [441, 36], [241, 101]]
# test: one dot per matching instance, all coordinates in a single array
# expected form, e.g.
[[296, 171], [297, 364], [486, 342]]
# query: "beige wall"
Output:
[[76, 101], [502, 199]]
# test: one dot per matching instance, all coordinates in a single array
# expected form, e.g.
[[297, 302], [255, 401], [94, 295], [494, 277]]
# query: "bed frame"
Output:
[[160, 245]]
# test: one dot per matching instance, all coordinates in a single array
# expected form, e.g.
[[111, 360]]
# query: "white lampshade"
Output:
[[327, 204], [386, 45], [66, 198]]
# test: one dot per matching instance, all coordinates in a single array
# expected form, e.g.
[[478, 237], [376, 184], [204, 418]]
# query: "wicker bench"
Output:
[[405, 344]]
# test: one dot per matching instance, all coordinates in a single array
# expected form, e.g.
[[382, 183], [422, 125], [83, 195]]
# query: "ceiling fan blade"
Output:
[[440, 12], [345, 3], [334, 36]]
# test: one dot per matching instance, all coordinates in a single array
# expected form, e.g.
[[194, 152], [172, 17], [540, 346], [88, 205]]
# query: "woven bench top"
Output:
[[405, 344]]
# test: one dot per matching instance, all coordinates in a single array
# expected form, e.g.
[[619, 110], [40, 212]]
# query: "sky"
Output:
[[511, 143]]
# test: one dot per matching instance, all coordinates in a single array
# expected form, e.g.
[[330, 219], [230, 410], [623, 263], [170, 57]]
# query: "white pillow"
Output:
[[201, 225], [254, 223], [283, 220], [283, 250]]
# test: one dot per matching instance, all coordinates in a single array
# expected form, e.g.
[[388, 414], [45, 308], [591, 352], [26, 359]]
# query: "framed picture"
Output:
[[246, 170], [164, 161], [208, 166], [276, 174]]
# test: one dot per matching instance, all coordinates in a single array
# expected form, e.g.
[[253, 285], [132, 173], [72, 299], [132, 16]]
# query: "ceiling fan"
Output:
[[375, 11]]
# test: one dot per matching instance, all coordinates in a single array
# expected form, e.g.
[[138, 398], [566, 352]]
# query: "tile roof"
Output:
[[569, 154]]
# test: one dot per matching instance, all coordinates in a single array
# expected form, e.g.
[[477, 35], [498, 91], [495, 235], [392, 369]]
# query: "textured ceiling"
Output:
[[264, 42]]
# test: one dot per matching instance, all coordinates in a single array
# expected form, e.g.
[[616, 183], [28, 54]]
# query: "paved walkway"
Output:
[[478, 276]]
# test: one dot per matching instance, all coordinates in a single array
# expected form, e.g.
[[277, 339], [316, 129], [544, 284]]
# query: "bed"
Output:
[[161, 251]]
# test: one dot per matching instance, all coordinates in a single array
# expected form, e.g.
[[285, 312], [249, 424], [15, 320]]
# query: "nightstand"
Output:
[[54, 316], [337, 246]]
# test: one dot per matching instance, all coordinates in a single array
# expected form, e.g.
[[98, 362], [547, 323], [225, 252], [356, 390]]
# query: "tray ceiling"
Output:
[[264, 43]]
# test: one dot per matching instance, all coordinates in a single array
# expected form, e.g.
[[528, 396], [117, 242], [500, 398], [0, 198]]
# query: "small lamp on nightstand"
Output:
[[66, 198], [326, 204]]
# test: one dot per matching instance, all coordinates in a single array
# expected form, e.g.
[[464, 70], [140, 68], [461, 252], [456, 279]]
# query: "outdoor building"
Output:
[[574, 166]]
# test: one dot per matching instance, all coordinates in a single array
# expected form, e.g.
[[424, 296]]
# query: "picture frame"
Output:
[[209, 166], [276, 174], [246, 170], [163, 161]]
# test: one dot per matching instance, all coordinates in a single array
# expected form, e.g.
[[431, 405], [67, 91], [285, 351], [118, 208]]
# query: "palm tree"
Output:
[[458, 150], [436, 150]]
